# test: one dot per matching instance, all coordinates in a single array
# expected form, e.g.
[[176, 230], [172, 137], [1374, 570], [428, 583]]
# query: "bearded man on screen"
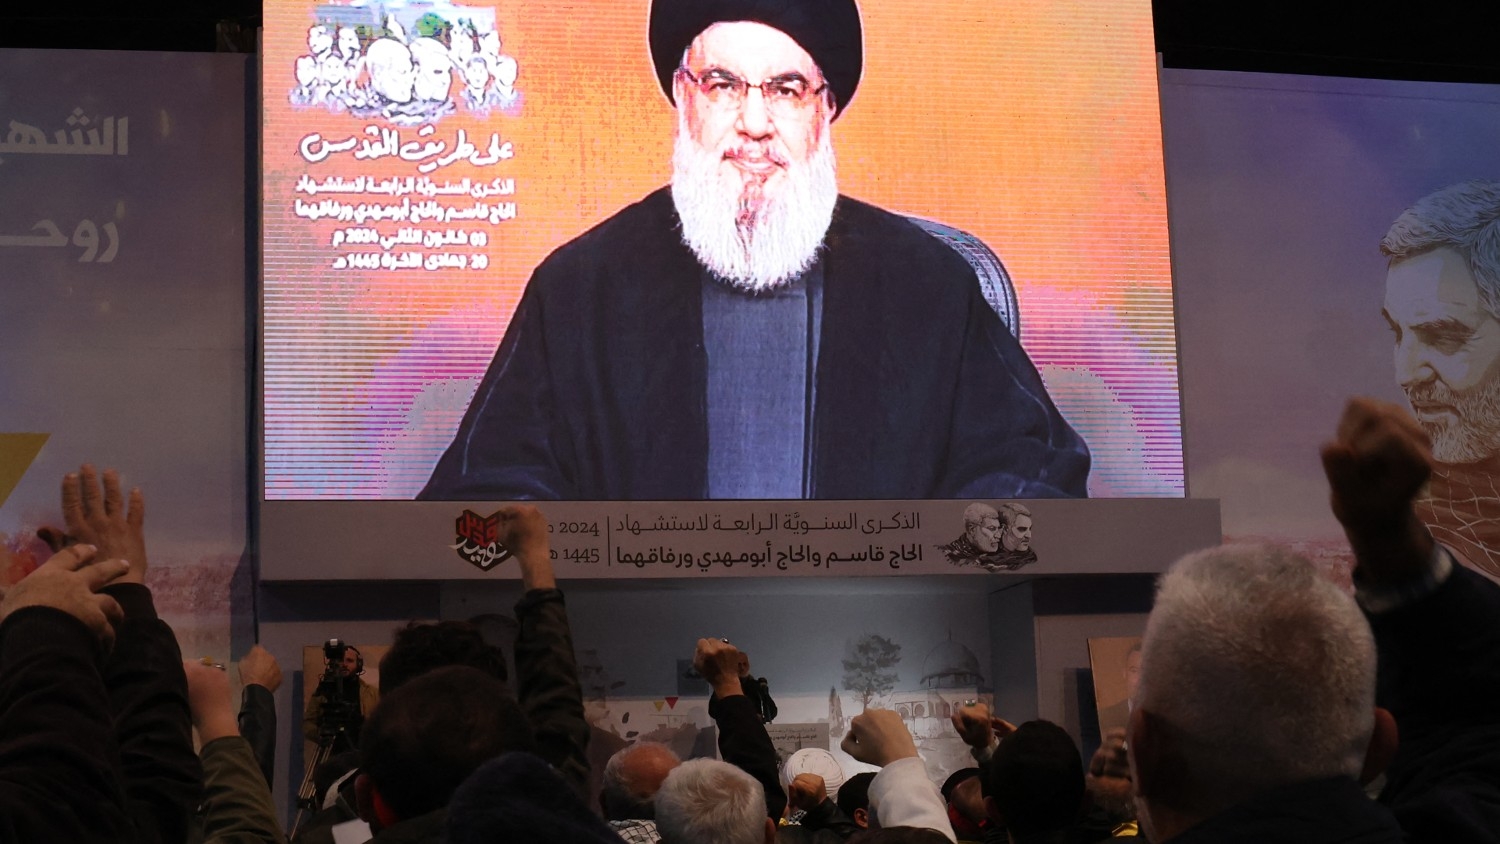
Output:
[[748, 332], [1442, 301]]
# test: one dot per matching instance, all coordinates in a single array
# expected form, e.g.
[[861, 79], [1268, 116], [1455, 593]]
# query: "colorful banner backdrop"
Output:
[[1282, 189], [333, 540], [122, 235], [421, 160]]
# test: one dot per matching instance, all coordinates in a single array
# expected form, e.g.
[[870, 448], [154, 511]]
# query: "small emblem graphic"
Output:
[[478, 540], [994, 538]]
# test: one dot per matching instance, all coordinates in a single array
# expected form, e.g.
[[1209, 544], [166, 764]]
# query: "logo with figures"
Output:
[[403, 61], [995, 538], [479, 540]]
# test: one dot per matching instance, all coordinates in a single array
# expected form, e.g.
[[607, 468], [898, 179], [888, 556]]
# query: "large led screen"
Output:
[[624, 250]]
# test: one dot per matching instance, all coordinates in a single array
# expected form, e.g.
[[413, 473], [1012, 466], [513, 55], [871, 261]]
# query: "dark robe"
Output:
[[598, 390]]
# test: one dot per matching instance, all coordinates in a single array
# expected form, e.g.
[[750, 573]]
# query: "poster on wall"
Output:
[[1335, 237], [627, 251], [1115, 663], [123, 242]]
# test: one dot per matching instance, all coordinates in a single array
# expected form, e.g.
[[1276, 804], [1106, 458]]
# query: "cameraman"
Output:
[[342, 701]]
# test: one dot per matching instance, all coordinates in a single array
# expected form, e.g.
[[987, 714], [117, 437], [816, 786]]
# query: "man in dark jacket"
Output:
[[748, 332], [548, 693], [424, 740], [60, 773], [1435, 628]]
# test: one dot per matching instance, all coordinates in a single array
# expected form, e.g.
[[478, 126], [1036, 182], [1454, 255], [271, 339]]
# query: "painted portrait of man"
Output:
[[1442, 301], [750, 332]]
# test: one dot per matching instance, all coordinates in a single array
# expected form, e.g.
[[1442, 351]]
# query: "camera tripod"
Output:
[[334, 722]]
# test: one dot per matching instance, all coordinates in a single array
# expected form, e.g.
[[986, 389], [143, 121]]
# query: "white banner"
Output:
[[308, 540]]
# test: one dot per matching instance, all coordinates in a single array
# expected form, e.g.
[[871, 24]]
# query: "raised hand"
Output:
[[1376, 467], [100, 515], [878, 737], [69, 581], [978, 727], [523, 529], [259, 668], [807, 792], [719, 663], [209, 701]]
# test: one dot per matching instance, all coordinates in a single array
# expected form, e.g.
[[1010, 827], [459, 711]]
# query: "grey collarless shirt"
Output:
[[762, 354]]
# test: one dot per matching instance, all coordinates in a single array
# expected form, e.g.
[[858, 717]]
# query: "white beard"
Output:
[[1475, 434], [751, 241]]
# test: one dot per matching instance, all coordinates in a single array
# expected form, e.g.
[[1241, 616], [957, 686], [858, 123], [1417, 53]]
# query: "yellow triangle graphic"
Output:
[[16, 453], [659, 704]]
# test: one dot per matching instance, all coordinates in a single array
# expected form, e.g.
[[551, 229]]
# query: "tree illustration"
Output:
[[870, 666]]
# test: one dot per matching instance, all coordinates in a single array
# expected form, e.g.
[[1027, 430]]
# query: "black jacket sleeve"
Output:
[[257, 721], [548, 687], [59, 766], [1439, 675], [744, 743], [827, 816], [153, 725]]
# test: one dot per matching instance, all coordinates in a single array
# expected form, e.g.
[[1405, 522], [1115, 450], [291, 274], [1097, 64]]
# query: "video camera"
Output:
[[339, 690]]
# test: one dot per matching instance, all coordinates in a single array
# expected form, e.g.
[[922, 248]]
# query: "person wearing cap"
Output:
[[747, 331], [965, 801]]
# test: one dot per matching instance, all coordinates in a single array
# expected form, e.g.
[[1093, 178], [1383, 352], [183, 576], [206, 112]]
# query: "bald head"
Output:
[[631, 779]]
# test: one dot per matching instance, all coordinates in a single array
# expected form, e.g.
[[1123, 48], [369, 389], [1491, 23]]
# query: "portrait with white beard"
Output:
[[1442, 304], [748, 332]]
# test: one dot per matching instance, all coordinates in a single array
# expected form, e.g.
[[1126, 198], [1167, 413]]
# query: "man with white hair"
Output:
[[705, 801], [748, 332]]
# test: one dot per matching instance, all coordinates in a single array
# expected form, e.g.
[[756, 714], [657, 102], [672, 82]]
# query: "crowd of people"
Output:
[[1272, 706]]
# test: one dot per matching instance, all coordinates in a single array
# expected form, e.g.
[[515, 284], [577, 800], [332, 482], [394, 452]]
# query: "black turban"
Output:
[[829, 30]]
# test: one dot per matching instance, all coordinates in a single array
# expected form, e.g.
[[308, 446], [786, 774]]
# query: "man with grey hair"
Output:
[[1256, 703], [748, 332], [705, 801], [1442, 302], [1256, 706], [631, 779], [981, 535]]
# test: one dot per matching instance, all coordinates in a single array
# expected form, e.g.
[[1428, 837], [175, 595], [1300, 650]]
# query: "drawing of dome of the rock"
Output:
[[950, 665]]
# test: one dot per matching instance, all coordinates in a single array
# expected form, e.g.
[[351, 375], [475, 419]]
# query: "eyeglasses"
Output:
[[784, 95]]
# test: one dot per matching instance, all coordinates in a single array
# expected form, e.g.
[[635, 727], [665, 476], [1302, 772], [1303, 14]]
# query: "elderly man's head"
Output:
[[1442, 301], [757, 87], [982, 526], [631, 779], [1256, 672], [392, 73], [705, 801], [753, 165]]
